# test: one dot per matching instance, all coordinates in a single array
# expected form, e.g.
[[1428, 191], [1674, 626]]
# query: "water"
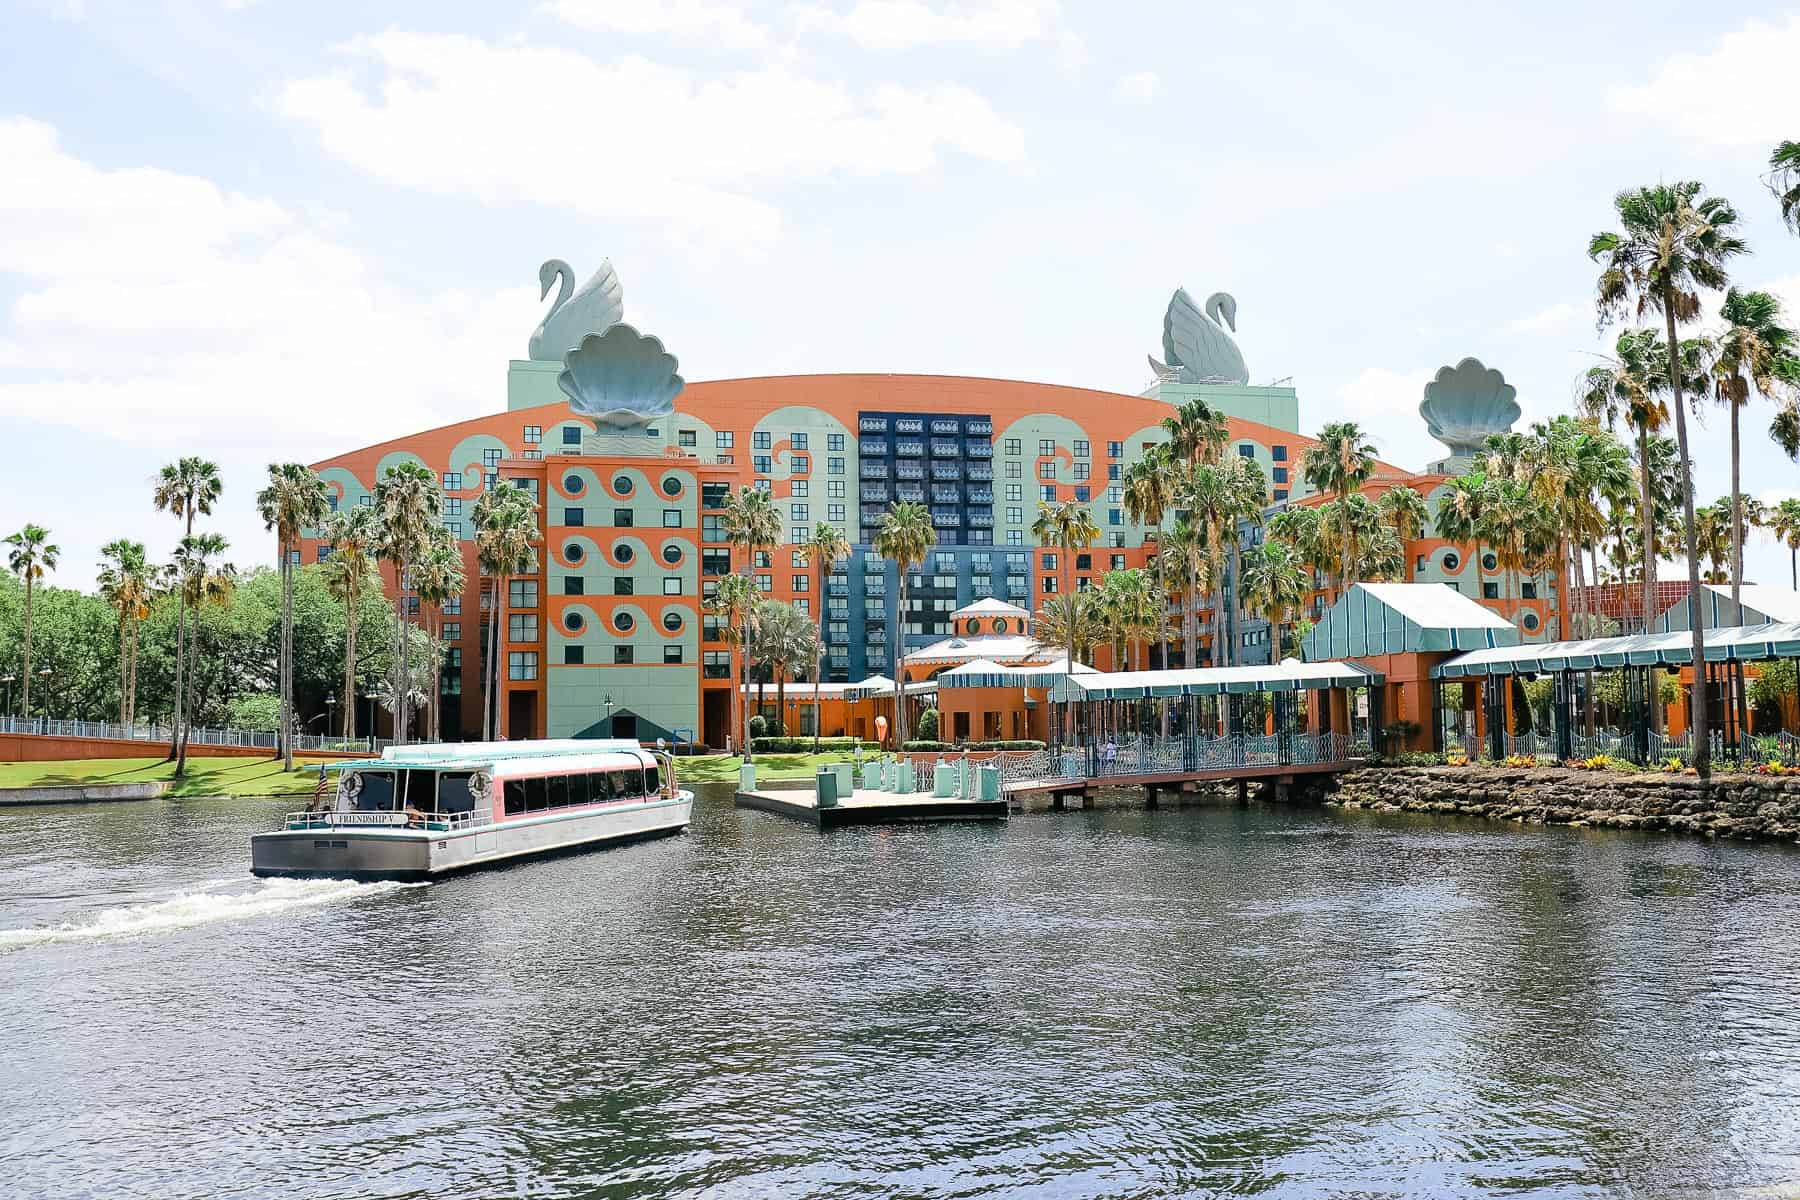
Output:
[[1142, 1004]]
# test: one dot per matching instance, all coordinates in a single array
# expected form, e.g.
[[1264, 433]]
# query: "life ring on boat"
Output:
[[481, 785]]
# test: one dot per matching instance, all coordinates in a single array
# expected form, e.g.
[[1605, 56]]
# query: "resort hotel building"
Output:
[[631, 467]]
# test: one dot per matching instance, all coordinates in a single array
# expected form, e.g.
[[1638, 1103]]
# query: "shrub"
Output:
[[258, 711], [1007, 745], [759, 727], [804, 745], [928, 725], [1519, 760], [924, 745], [1415, 758]]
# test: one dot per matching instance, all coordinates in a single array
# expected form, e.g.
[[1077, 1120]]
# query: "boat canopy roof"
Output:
[[504, 757]]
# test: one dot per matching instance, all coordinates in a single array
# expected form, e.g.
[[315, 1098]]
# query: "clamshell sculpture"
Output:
[[620, 378], [1467, 402], [1198, 345]]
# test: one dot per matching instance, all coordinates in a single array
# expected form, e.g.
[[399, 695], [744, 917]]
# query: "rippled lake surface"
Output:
[[1195, 1002]]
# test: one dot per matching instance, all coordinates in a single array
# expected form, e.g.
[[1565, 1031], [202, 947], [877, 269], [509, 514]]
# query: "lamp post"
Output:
[[44, 674], [330, 707], [609, 707]]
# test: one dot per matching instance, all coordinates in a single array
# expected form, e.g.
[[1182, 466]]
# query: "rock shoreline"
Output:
[[1726, 806]]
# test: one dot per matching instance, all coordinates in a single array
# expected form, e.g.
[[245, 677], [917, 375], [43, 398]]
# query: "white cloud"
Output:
[[1743, 92], [1139, 87], [907, 24], [1385, 403], [1556, 316], [708, 20], [455, 115]]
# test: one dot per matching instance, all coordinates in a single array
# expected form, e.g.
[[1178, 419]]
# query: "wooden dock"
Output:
[[864, 807]]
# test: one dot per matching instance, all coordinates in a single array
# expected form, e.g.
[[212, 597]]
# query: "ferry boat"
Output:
[[425, 810]]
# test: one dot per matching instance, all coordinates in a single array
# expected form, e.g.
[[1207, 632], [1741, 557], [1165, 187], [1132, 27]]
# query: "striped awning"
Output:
[[1288, 675], [1741, 643]]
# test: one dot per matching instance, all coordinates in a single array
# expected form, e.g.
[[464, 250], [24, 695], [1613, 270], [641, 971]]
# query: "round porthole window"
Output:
[[1489, 562], [573, 622], [672, 621], [623, 552], [671, 485], [1000, 625], [622, 484], [622, 622], [573, 485], [1530, 621], [671, 554], [573, 552]]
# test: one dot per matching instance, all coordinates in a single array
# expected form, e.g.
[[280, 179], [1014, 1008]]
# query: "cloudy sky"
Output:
[[268, 230]]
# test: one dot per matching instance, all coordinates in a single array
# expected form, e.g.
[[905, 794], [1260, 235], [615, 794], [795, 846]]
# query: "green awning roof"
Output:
[[1404, 618], [1742, 643], [1286, 676]]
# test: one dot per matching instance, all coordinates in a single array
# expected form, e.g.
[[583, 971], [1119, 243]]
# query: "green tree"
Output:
[[904, 538], [1132, 613], [1784, 523], [409, 505], [201, 581], [1274, 586], [753, 524], [1784, 181], [31, 553], [186, 488], [438, 578], [1338, 464], [1070, 527], [294, 500], [826, 546], [1752, 348], [127, 583], [353, 535], [1197, 434], [1672, 242], [506, 541], [1149, 495], [784, 639], [732, 599]]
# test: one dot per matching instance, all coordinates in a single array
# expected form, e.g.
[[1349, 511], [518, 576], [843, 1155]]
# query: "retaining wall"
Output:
[[40, 747], [83, 793]]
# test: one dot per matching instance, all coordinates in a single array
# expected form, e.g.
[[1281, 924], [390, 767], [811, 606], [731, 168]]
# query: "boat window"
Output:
[[515, 797], [418, 789], [599, 788], [558, 788], [453, 793], [625, 783], [535, 792], [377, 793], [652, 784]]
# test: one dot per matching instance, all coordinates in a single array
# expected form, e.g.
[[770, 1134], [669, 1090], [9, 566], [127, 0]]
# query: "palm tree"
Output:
[[1602, 471], [1671, 243], [1186, 549], [733, 598], [506, 540], [752, 523], [199, 580], [1071, 623], [905, 537], [1211, 503], [1070, 527], [1249, 489], [294, 500], [1752, 347], [826, 546], [1197, 433], [1784, 181], [1340, 463], [1405, 512], [353, 535], [32, 554], [1131, 613], [409, 505], [126, 582], [784, 638], [186, 488], [438, 577], [1148, 493], [1274, 586], [1712, 535]]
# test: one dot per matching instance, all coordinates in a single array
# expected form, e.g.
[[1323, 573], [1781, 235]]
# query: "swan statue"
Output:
[[1198, 345], [599, 305]]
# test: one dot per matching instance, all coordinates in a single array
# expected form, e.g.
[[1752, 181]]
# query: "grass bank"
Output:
[[716, 768], [205, 776]]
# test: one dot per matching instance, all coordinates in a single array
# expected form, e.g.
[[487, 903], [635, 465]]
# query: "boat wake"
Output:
[[189, 909]]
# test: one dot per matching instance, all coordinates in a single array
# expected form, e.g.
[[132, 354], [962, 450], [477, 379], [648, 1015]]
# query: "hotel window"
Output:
[[761, 439], [1047, 470], [1112, 470], [761, 558], [671, 518], [574, 585], [1012, 446], [1281, 493], [1490, 591], [671, 585], [797, 558], [1081, 470], [800, 583], [571, 435], [1528, 590], [1081, 449], [722, 440], [686, 437], [530, 454], [521, 664], [1015, 491], [1114, 449], [1012, 469], [1115, 539], [622, 518], [453, 481], [797, 441], [835, 466], [1081, 494], [624, 585], [801, 513], [452, 607], [1117, 562], [760, 463], [574, 656], [1114, 495], [801, 464], [834, 512], [799, 489], [725, 460], [714, 495], [797, 534], [834, 441], [453, 506], [672, 654], [1246, 450], [624, 655], [715, 562], [521, 627], [1278, 453], [574, 516], [321, 553], [1279, 474], [834, 489], [490, 457], [1015, 516], [1049, 585], [534, 434], [765, 583], [1046, 446], [1014, 538], [1048, 493], [1049, 562], [453, 528], [521, 593], [1114, 517]]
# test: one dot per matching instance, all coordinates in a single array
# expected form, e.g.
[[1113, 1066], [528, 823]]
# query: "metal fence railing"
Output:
[[199, 735]]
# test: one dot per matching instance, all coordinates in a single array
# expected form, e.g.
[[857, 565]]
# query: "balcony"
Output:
[[909, 425], [946, 520], [838, 636], [981, 495], [979, 428], [943, 425], [909, 449], [943, 449], [946, 471], [981, 472], [982, 583], [979, 450], [874, 447], [877, 637], [1018, 568], [946, 495], [1018, 587], [875, 495], [716, 671], [911, 495], [872, 425], [981, 520], [874, 470], [837, 587], [906, 470]]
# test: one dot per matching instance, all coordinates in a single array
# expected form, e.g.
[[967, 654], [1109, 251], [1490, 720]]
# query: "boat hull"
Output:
[[322, 851]]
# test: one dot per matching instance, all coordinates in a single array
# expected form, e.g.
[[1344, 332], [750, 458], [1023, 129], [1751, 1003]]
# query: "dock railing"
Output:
[[198, 735]]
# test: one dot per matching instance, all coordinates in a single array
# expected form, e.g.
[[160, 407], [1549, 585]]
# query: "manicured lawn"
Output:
[[205, 776], [717, 767]]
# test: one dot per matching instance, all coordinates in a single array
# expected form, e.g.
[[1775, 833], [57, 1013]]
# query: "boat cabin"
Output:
[[492, 782]]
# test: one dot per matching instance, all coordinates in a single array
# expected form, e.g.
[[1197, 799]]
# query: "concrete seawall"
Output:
[[82, 793], [1736, 806]]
